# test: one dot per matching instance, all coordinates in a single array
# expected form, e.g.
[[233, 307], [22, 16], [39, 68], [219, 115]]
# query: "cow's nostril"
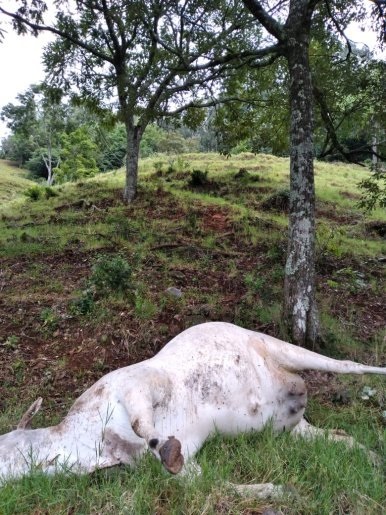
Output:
[[153, 442]]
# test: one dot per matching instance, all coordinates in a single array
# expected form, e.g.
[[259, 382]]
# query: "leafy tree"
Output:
[[151, 140], [374, 191], [259, 121], [41, 166], [36, 122], [21, 119], [18, 148], [348, 90], [78, 156], [149, 59], [112, 143]]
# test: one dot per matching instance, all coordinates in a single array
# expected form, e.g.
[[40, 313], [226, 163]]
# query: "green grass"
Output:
[[225, 250], [13, 181], [324, 478]]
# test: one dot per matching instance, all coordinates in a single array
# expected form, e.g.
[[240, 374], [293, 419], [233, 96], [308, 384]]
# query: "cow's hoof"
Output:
[[171, 457]]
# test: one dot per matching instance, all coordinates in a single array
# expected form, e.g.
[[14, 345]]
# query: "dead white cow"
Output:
[[212, 377]]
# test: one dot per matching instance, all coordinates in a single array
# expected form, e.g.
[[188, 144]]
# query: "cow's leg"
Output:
[[306, 430], [166, 448]]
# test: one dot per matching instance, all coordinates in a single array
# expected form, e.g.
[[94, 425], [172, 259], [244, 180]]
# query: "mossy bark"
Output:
[[299, 296], [134, 135]]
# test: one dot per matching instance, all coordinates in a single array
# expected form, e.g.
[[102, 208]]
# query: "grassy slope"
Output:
[[13, 181], [224, 247]]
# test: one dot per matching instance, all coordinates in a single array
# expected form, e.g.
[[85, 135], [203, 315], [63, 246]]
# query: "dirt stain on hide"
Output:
[[99, 390], [208, 383]]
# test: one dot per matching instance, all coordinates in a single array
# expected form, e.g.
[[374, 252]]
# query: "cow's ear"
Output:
[[25, 420]]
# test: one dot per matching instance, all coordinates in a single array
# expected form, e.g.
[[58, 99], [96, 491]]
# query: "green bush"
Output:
[[111, 273], [84, 304], [34, 192], [198, 178], [78, 157], [37, 192], [49, 319]]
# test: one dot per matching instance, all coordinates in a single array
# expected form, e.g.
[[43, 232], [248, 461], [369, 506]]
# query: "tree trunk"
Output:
[[134, 135], [299, 289], [374, 145]]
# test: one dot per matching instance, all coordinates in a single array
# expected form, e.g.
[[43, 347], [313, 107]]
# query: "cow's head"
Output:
[[20, 449]]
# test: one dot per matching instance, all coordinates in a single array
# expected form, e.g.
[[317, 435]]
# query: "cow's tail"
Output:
[[295, 359]]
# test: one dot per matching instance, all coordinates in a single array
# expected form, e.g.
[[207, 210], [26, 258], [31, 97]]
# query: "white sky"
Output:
[[20, 61]]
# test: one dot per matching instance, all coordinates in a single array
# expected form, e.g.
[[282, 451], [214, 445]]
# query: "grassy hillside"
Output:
[[220, 238], [13, 181]]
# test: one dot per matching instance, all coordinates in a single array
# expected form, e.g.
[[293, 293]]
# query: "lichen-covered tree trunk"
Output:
[[134, 135], [299, 295]]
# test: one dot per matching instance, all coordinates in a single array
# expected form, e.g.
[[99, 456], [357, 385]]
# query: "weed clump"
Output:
[[111, 274], [49, 319], [34, 193], [84, 304], [242, 174], [198, 178], [159, 167], [37, 192], [279, 201]]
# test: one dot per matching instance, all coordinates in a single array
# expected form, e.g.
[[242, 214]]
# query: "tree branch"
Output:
[[325, 114], [39, 28], [339, 29], [269, 23]]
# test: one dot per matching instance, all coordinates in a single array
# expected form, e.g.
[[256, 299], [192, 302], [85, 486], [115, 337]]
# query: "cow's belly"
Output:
[[231, 403]]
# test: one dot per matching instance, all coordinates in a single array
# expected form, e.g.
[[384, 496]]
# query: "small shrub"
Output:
[[277, 252], [254, 283], [279, 201], [171, 168], [26, 238], [111, 273], [198, 178], [373, 191], [49, 318], [34, 193], [84, 304], [192, 220], [145, 309], [242, 174], [12, 341]]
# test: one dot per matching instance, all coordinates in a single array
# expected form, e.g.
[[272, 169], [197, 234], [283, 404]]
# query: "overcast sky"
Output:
[[20, 59]]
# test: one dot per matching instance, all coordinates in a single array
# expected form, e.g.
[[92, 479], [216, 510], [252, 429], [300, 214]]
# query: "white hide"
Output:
[[212, 377]]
